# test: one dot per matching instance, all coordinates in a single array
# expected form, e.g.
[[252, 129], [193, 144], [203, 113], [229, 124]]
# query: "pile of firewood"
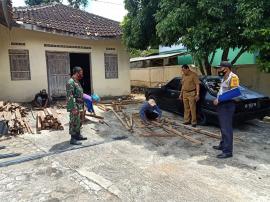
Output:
[[15, 117], [47, 119]]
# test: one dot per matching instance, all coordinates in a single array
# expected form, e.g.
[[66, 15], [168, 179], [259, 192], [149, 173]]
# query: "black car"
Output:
[[250, 105]]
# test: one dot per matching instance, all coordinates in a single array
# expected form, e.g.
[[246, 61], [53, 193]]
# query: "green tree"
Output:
[[202, 26], [264, 50], [139, 24], [139, 53], [78, 3], [37, 2]]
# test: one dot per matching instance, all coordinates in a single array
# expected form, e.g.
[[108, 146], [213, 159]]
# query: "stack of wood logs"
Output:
[[47, 119], [15, 117]]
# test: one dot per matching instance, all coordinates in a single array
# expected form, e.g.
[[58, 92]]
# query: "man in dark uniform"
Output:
[[225, 108], [75, 105]]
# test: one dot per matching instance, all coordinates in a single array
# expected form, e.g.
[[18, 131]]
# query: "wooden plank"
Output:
[[18, 114], [7, 107], [42, 116], [45, 112], [126, 119], [197, 130], [121, 120], [8, 116], [29, 127], [54, 114], [49, 112], [94, 116], [26, 127], [38, 124], [1, 104], [178, 133]]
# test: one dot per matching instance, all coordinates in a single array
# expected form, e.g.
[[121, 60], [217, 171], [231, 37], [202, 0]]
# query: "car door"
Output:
[[171, 96]]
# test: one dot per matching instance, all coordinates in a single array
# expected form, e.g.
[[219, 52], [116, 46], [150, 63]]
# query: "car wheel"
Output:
[[202, 120]]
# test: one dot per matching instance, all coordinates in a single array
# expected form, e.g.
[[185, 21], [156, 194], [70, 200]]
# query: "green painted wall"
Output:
[[246, 58]]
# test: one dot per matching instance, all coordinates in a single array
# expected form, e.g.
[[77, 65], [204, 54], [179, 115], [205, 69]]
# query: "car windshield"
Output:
[[213, 85]]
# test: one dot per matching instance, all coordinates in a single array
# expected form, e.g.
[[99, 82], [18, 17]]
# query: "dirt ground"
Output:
[[137, 168]]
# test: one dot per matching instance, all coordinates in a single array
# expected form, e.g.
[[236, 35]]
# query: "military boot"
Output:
[[80, 137], [74, 141]]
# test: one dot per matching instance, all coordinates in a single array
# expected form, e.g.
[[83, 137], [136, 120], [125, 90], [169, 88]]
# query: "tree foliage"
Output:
[[202, 26], [37, 2], [142, 53], [264, 48], [78, 3], [73, 3], [139, 24]]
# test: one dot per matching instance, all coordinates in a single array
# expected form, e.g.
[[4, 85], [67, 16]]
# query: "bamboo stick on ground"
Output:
[[178, 133], [121, 120], [95, 116], [198, 130], [49, 112], [38, 124]]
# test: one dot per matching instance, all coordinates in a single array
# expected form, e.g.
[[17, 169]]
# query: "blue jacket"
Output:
[[147, 106]]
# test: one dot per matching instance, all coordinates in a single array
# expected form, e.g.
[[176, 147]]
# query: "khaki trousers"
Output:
[[190, 107]]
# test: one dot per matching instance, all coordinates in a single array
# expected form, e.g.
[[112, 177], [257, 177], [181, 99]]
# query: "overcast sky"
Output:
[[113, 9]]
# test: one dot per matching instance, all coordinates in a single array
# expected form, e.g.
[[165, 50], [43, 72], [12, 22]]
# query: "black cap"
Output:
[[225, 64]]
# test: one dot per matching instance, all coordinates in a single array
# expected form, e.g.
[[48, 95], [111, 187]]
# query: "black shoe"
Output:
[[217, 148], [224, 156], [73, 141], [80, 137], [194, 125], [186, 123]]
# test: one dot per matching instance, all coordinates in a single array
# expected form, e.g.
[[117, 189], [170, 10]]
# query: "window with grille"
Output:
[[19, 64], [111, 66]]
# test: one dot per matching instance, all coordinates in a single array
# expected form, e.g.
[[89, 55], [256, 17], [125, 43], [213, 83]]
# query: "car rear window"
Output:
[[174, 84]]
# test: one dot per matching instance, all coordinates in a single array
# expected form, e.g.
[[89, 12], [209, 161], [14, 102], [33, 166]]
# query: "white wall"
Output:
[[34, 42]]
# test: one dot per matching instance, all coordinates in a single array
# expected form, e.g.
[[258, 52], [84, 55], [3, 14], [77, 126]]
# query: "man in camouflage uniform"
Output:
[[75, 105]]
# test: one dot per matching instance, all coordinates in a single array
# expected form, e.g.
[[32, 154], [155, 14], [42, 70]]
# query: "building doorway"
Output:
[[59, 69], [82, 60]]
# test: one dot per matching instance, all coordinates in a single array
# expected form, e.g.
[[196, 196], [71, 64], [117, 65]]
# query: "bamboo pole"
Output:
[[121, 120], [178, 133]]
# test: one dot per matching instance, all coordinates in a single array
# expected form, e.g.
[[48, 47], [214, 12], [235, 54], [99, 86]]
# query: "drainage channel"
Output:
[[42, 155]]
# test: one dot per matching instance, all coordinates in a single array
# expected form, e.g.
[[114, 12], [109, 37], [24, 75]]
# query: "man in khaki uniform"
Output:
[[190, 94]]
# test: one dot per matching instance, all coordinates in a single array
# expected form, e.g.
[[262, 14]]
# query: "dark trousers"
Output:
[[225, 116], [151, 115]]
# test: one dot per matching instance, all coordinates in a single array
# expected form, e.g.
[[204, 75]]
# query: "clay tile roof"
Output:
[[64, 18]]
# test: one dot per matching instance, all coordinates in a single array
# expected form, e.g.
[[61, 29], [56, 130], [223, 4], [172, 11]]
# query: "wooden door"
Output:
[[58, 66]]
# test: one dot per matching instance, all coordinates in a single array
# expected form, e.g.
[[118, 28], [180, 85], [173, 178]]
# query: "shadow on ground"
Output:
[[61, 146]]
